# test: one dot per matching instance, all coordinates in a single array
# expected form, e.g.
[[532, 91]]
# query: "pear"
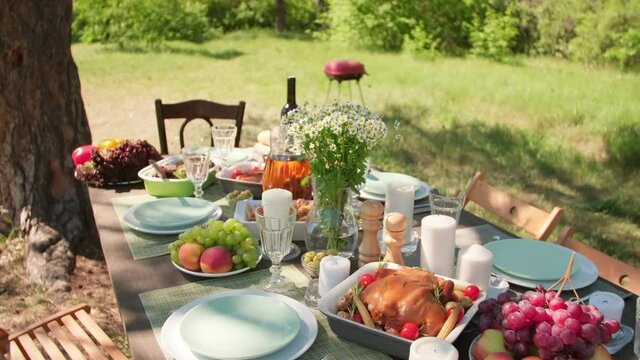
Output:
[[491, 341]]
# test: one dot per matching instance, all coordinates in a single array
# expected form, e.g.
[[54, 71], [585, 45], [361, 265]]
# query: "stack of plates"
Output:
[[244, 324], [375, 187], [531, 262], [170, 215]]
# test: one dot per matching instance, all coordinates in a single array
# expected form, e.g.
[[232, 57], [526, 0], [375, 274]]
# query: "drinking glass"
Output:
[[196, 165], [276, 234], [443, 204], [636, 342], [224, 137]]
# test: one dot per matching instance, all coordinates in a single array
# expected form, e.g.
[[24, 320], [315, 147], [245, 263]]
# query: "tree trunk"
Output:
[[42, 119], [280, 23]]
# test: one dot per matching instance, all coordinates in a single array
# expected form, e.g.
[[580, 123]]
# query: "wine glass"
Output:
[[276, 234], [196, 165], [224, 137]]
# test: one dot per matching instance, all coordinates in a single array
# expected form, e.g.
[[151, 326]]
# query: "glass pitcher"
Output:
[[286, 166]]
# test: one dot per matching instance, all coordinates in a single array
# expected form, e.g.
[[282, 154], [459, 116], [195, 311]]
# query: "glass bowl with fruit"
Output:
[[246, 175]]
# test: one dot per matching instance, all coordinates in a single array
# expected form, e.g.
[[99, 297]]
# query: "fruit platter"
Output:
[[246, 175], [175, 183], [113, 161], [245, 214], [385, 306], [541, 325], [215, 249]]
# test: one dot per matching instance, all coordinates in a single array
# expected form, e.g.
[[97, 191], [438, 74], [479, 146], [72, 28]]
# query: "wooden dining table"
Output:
[[132, 277]]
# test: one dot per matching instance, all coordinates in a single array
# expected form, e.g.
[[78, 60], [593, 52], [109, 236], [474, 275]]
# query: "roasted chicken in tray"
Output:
[[406, 295]]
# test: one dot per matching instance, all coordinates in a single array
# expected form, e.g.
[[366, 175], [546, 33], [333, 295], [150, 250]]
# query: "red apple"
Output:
[[189, 255], [216, 259]]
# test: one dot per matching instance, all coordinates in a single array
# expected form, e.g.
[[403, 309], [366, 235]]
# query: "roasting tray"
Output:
[[375, 338]]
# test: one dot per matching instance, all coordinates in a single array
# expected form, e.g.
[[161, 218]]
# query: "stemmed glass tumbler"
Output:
[[276, 234], [224, 137], [196, 165]]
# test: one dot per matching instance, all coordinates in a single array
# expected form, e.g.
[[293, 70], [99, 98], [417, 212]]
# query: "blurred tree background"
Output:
[[591, 31]]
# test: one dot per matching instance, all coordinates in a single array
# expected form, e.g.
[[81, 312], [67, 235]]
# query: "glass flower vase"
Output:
[[331, 224]]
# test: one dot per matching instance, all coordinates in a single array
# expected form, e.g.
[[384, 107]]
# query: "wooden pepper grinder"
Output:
[[369, 250], [395, 225]]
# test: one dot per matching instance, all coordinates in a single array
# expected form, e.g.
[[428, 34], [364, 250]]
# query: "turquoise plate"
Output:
[[239, 327], [531, 259], [173, 212], [376, 181]]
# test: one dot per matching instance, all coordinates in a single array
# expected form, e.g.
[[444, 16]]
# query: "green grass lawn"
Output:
[[534, 126]]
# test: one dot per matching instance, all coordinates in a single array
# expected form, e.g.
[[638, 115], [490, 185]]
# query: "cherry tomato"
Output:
[[82, 154], [410, 331], [235, 173], [366, 279], [357, 317], [460, 315], [472, 292]]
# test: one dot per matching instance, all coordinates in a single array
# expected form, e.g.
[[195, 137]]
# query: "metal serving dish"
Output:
[[375, 338], [229, 185]]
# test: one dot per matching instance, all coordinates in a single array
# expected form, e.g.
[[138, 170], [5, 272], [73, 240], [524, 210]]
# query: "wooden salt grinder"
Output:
[[395, 225], [369, 250]]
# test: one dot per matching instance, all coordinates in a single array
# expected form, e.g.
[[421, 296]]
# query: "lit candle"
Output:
[[474, 265], [432, 348], [438, 244], [399, 198], [609, 304], [333, 270], [276, 203]]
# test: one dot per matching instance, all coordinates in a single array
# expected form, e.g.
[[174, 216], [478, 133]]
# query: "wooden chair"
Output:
[[192, 110], [533, 220], [69, 334], [614, 270]]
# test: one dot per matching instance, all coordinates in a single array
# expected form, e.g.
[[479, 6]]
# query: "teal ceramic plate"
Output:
[[239, 327], [173, 212], [376, 181], [531, 259]]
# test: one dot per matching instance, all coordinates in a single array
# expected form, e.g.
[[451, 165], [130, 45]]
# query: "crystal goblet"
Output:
[[224, 137], [276, 234], [196, 165]]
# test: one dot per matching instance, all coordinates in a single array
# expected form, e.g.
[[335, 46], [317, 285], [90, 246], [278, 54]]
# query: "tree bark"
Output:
[[42, 119], [280, 16]]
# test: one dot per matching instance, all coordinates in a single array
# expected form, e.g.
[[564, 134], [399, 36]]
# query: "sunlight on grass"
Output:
[[535, 128]]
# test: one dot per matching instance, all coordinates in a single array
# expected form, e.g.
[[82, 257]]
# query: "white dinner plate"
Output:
[[133, 223], [376, 182], [178, 349], [586, 275], [213, 275], [421, 193]]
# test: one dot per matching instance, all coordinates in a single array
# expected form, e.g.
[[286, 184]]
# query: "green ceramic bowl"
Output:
[[156, 186]]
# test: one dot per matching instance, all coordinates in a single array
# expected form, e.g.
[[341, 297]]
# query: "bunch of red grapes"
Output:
[[559, 329]]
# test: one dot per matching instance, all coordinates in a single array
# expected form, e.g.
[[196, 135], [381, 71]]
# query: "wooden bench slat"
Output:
[[82, 338], [30, 347], [15, 352], [99, 334], [49, 346], [65, 341]]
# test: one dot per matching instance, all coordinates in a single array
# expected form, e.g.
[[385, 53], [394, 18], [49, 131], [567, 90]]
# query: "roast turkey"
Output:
[[405, 295]]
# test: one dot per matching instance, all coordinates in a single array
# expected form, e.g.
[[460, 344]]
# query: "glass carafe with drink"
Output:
[[286, 166]]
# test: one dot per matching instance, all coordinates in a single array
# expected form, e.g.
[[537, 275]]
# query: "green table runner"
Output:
[[143, 245], [158, 304]]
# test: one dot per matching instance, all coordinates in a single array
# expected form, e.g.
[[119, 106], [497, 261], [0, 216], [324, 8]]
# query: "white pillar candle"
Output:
[[333, 270], [474, 265], [276, 203], [610, 304], [431, 348], [399, 198], [438, 243]]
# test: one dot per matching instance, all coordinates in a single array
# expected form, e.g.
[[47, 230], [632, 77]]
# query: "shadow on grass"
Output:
[[599, 199], [226, 54]]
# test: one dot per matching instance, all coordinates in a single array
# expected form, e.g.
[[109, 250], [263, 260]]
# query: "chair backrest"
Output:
[[614, 270], [533, 220], [192, 110], [69, 334]]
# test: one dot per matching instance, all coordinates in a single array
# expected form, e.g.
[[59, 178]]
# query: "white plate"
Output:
[[211, 275], [237, 154], [586, 275], [376, 182], [240, 214], [175, 346], [133, 223], [173, 212], [421, 193]]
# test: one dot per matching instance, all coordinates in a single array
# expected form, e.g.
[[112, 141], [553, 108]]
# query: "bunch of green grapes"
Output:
[[231, 234]]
